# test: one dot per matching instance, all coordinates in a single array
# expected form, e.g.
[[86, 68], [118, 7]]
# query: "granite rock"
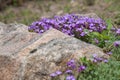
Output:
[[30, 56], [51, 52], [13, 38]]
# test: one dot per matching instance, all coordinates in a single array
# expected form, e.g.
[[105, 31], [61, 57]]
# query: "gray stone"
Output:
[[30, 56], [13, 38], [53, 52]]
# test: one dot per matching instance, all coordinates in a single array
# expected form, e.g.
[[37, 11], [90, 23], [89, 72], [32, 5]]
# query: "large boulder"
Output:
[[30, 56], [13, 38], [51, 52]]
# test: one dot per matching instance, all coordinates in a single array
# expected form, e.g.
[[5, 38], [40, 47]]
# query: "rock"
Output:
[[9, 68], [30, 56], [1, 29], [53, 50], [92, 15], [13, 38]]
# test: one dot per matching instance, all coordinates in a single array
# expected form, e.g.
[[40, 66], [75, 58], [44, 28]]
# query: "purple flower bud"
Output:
[[118, 31], [82, 34], [105, 60], [58, 72], [71, 64], [53, 75], [117, 43], [79, 29], [70, 77], [94, 55], [82, 68], [113, 29], [94, 60], [68, 71], [109, 53], [99, 59]]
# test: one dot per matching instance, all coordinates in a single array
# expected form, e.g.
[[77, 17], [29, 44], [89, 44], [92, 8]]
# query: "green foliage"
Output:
[[103, 71], [105, 38], [116, 54]]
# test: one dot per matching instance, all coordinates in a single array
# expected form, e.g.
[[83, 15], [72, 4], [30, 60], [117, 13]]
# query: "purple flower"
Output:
[[71, 64], [70, 77], [105, 60], [113, 29], [94, 55], [53, 75], [118, 31], [69, 24], [68, 71], [99, 59], [109, 53], [58, 72], [117, 43], [82, 34], [82, 68], [79, 29], [94, 60]]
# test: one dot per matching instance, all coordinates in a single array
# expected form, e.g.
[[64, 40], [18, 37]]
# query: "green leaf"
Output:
[[96, 34], [105, 37], [109, 24]]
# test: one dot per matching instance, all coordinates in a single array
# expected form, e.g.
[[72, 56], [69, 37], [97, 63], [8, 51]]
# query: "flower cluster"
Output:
[[97, 59], [71, 64], [69, 24], [71, 68], [79, 67]]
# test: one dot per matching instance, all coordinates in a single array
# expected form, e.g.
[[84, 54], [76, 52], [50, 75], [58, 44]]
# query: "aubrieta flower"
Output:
[[69, 24], [70, 77], [55, 73], [94, 60], [97, 59], [105, 60], [81, 68], [109, 53], [94, 55], [71, 64], [117, 43], [68, 71], [58, 72], [118, 31]]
